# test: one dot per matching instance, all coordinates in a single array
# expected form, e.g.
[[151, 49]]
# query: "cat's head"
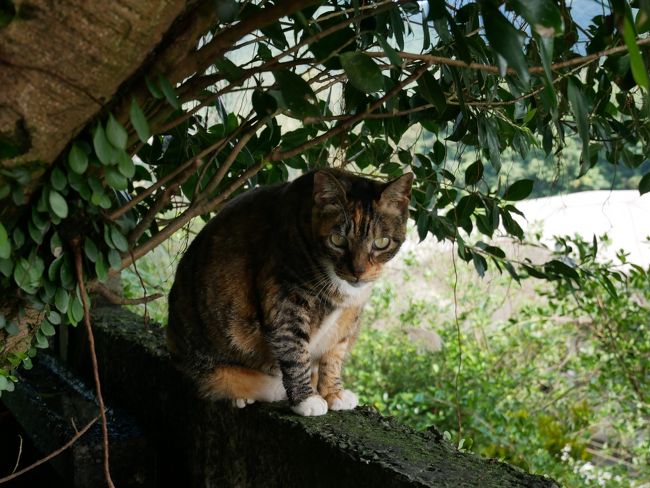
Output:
[[359, 224]]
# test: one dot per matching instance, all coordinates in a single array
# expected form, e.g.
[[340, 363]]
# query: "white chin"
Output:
[[355, 293]]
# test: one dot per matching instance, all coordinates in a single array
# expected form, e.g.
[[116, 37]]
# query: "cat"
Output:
[[266, 301]]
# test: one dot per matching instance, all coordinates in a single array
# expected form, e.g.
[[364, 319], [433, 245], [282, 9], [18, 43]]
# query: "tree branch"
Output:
[[441, 60], [349, 122]]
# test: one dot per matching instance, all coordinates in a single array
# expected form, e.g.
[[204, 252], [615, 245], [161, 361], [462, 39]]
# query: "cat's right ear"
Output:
[[327, 189]]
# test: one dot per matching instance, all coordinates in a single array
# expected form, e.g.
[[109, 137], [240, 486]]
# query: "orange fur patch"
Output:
[[234, 382]]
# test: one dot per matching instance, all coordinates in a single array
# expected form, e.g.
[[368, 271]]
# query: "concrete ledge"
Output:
[[47, 401], [211, 444]]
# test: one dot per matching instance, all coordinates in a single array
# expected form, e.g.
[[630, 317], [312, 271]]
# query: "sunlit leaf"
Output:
[[362, 71]]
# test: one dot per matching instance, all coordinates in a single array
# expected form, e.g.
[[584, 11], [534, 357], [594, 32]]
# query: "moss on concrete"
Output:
[[214, 444]]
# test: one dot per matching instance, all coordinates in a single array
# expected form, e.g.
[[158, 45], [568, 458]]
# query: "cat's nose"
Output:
[[358, 271]]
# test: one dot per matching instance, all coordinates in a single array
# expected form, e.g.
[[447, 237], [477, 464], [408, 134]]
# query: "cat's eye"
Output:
[[381, 243], [338, 240]]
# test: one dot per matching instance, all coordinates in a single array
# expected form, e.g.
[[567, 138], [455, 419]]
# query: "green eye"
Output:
[[381, 243], [338, 240]]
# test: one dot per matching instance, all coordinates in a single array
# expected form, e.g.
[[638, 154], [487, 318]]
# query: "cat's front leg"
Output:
[[289, 342], [329, 379]]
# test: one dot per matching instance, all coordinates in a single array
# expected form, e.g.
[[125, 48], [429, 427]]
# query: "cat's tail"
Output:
[[235, 382]]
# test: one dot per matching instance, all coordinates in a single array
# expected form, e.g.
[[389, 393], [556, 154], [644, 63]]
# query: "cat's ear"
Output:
[[397, 193], [327, 189]]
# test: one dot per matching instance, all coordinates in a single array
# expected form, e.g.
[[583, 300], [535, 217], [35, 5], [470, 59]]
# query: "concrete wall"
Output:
[[196, 443]]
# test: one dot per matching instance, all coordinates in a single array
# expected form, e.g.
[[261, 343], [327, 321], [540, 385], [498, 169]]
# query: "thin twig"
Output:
[[76, 246], [20, 453], [50, 456], [459, 417], [144, 289], [189, 166], [489, 68], [115, 299]]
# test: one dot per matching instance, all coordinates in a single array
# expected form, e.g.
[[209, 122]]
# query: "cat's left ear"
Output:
[[397, 193], [328, 189]]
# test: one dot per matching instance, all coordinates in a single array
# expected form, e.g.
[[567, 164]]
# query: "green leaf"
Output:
[[58, 179], [230, 70], [544, 16], [102, 147], [76, 311], [61, 300], [6, 267], [474, 172], [22, 276], [77, 159], [639, 71], [100, 268], [47, 329], [139, 121], [58, 205], [114, 259], [558, 267], [392, 55], [119, 240], [115, 133], [296, 94], [5, 245], [519, 190], [263, 103], [153, 89], [430, 90], [580, 108], [506, 41], [511, 225], [644, 184], [54, 317], [362, 72], [90, 249], [125, 164], [169, 92], [7, 14], [115, 179], [41, 341], [423, 225]]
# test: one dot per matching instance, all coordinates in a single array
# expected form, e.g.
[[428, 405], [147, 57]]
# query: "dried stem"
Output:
[[115, 299], [76, 246], [52, 455]]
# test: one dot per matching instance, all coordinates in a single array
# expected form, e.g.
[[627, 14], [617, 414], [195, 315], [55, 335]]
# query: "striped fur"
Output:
[[266, 301]]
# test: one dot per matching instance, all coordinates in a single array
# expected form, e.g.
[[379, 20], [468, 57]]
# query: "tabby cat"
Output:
[[266, 300]]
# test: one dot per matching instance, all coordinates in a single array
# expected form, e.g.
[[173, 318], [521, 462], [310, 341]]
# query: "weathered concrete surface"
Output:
[[211, 444], [49, 403]]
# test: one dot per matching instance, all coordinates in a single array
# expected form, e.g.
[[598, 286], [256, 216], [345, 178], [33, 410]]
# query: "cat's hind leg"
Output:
[[241, 385]]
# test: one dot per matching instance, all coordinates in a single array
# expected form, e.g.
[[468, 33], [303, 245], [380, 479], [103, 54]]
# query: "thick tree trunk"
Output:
[[61, 62]]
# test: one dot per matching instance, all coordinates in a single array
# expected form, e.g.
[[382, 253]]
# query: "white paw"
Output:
[[242, 402], [311, 407], [348, 401]]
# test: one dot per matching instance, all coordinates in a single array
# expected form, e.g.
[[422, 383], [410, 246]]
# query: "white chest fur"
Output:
[[325, 336]]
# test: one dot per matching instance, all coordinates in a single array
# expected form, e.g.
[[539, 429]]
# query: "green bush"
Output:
[[559, 388]]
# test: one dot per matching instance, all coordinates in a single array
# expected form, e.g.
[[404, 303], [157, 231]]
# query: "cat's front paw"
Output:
[[312, 406], [242, 402], [342, 400]]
